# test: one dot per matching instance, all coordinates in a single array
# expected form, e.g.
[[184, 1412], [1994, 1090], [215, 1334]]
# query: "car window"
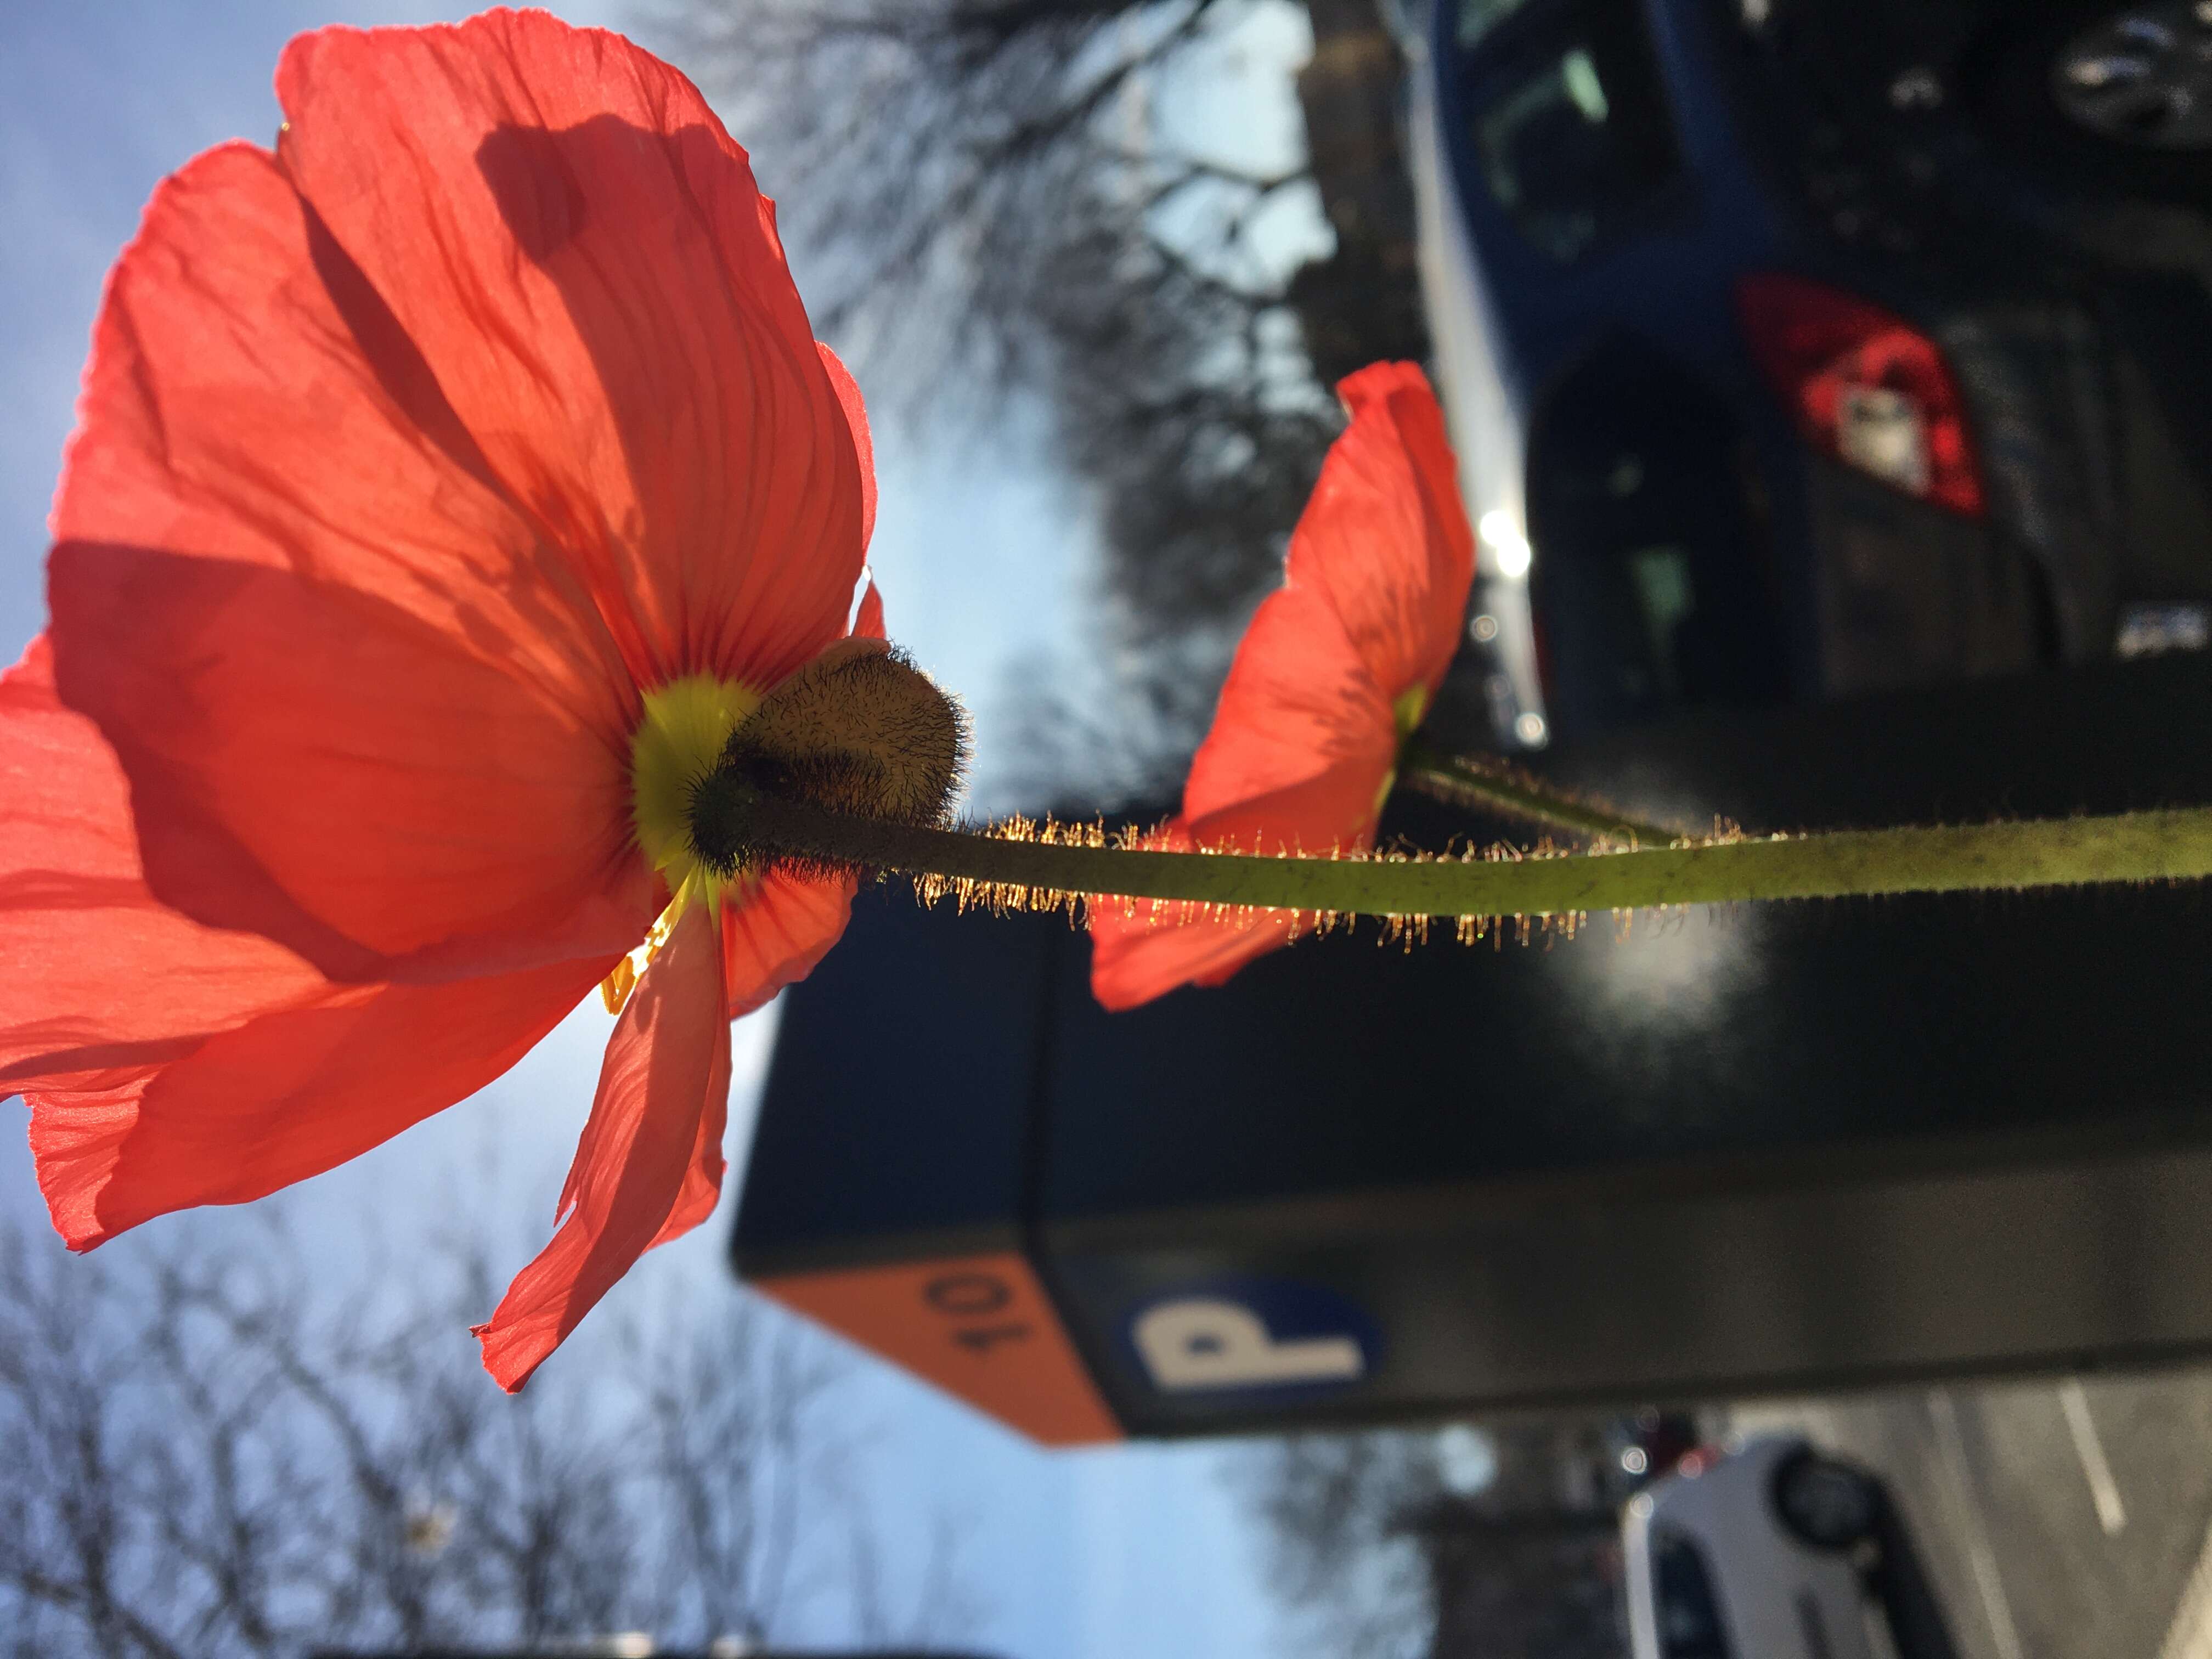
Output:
[[1688, 1614], [1660, 578], [1477, 18], [1571, 129]]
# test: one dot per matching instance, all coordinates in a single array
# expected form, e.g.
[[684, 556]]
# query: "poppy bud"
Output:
[[859, 730]]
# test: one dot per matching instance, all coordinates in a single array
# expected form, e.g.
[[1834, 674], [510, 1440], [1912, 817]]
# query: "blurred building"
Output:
[[1529, 1567], [1361, 304]]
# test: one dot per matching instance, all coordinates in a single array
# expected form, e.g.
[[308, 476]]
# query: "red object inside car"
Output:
[[1864, 385]]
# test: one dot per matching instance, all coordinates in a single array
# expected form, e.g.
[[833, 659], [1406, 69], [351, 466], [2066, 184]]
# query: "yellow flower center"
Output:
[[858, 731], [686, 723]]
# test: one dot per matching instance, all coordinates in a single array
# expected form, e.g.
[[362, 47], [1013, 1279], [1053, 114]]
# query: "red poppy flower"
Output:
[[1336, 670], [449, 485]]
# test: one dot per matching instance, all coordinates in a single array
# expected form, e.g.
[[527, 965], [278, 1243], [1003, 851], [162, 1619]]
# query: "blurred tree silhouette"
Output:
[[1385, 1543], [198, 1465], [1031, 198]]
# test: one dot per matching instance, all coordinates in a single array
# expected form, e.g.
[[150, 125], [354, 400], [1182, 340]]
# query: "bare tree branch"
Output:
[[206, 1459], [988, 196]]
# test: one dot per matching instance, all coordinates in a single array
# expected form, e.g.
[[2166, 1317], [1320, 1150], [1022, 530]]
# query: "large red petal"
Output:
[[868, 620], [856, 418], [98, 977], [1299, 704], [1143, 948], [703, 1176], [784, 925], [560, 222], [773, 937], [364, 706], [286, 1096], [1302, 745], [1141, 954], [1385, 537], [1305, 738], [666, 1075]]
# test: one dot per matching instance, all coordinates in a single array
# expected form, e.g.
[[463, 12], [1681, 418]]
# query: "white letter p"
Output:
[[1206, 1342]]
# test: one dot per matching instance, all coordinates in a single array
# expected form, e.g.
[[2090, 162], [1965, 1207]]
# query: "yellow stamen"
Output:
[[686, 723], [615, 988]]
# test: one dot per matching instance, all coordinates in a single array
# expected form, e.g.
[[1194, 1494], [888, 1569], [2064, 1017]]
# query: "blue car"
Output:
[[1803, 348]]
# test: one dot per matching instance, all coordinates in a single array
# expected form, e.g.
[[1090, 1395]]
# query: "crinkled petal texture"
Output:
[[650, 1163], [168, 1064], [410, 457], [780, 926], [103, 982], [1304, 741], [778, 931]]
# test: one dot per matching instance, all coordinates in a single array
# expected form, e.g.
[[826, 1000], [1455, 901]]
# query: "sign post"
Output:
[[1763, 1149]]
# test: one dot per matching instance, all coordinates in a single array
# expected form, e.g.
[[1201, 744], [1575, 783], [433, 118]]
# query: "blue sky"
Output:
[[981, 558]]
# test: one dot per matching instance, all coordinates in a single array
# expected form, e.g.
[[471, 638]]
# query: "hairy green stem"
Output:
[[1495, 787], [2063, 851]]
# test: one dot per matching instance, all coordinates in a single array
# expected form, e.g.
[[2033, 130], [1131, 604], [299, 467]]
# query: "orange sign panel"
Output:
[[980, 1326]]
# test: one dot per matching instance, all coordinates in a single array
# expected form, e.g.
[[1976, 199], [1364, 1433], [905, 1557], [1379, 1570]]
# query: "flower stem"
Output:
[[1459, 781], [2130, 847]]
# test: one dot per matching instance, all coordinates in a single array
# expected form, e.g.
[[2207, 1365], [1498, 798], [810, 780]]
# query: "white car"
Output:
[[1773, 1550]]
